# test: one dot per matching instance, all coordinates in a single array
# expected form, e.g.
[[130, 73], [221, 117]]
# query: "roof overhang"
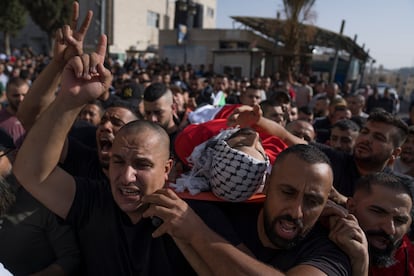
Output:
[[273, 28]]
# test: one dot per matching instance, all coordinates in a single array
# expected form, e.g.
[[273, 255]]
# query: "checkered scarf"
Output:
[[230, 174]]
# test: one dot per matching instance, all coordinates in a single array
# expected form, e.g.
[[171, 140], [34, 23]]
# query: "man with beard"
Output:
[[16, 91], [381, 209], [114, 237], [31, 239], [159, 107], [283, 232], [377, 145]]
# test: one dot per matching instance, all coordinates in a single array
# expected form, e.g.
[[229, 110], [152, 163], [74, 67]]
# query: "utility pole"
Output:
[[335, 63]]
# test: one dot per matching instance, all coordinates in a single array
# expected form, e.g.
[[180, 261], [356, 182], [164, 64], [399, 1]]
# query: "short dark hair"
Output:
[[346, 124], [126, 105], [308, 153], [306, 109], [142, 125], [253, 87], [16, 82], [388, 180], [385, 117], [155, 91]]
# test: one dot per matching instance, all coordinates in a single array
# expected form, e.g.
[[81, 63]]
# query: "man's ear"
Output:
[[351, 205], [168, 167], [266, 184], [394, 155]]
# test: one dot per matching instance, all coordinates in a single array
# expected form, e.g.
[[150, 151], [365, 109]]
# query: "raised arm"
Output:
[[68, 43], [247, 116], [84, 79]]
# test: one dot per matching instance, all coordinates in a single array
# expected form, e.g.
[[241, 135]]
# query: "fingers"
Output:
[[76, 65], [85, 26], [105, 76], [86, 67], [333, 209], [81, 65], [101, 47], [75, 15], [59, 36]]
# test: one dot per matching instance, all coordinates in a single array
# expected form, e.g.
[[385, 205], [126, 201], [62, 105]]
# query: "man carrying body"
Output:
[[115, 239], [377, 145], [282, 232], [381, 209]]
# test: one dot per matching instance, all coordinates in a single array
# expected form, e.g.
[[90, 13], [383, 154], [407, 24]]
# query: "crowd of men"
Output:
[[150, 169]]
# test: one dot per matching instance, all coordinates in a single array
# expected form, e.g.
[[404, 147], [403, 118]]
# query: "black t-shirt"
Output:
[[112, 245], [323, 129], [315, 250], [82, 161], [344, 169]]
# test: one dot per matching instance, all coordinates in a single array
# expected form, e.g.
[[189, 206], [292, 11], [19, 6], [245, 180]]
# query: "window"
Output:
[[210, 12], [153, 19]]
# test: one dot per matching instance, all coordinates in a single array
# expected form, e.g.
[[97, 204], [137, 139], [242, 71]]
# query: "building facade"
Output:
[[131, 25]]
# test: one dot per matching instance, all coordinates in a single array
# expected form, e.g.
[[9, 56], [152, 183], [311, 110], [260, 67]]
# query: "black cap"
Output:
[[6, 141]]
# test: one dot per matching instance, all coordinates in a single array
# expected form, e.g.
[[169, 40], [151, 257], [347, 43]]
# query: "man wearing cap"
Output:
[[31, 239]]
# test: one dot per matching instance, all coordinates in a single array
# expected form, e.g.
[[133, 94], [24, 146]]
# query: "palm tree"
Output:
[[297, 13]]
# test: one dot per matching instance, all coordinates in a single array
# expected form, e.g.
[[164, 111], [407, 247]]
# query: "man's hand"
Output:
[[84, 77], [348, 235], [337, 197], [179, 220], [68, 39], [245, 116]]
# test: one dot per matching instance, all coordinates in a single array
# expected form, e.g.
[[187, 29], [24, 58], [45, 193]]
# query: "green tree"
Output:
[[12, 19], [49, 15], [296, 34]]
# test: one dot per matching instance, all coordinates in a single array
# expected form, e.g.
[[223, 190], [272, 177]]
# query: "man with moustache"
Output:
[[282, 234], [374, 235], [115, 239], [377, 145]]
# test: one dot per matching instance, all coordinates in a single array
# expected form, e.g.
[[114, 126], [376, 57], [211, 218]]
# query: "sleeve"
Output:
[[81, 160], [323, 254], [215, 219], [62, 240], [91, 195]]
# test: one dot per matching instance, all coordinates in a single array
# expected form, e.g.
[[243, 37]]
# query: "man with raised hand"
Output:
[[75, 158], [115, 239]]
